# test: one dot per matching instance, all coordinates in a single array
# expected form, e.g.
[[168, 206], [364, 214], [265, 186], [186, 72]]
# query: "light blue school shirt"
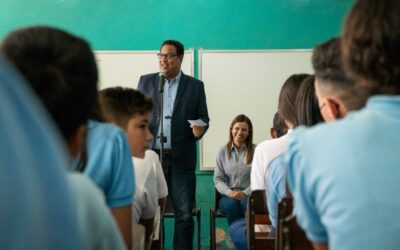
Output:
[[37, 209], [169, 94], [110, 163], [345, 178], [275, 186]]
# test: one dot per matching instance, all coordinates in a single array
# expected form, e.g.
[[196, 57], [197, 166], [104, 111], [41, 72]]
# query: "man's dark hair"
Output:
[[308, 113], [60, 68], [120, 104], [279, 126], [287, 97], [327, 63], [371, 45], [180, 50]]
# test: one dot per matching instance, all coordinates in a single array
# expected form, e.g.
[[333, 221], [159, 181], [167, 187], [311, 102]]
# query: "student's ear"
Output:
[[272, 133], [337, 108], [77, 141], [332, 110]]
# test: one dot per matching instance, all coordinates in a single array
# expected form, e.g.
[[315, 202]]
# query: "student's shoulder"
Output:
[[85, 191], [103, 129], [151, 155]]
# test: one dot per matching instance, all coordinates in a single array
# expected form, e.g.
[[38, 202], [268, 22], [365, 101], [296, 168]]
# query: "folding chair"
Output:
[[169, 213], [215, 213], [258, 223]]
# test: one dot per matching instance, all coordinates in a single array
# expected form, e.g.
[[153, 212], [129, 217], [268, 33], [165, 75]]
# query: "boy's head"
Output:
[[279, 128], [371, 47], [129, 109], [61, 69], [287, 99], [336, 92]]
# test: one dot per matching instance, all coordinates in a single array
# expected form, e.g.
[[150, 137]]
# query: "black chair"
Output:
[[257, 214], [169, 213], [215, 213]]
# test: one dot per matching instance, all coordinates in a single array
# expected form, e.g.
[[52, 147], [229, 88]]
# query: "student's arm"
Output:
[[123, 217], [162, 202], [149, 226], [320, 246]]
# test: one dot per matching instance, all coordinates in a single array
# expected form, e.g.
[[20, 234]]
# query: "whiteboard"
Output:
[[248, 82], [124, 68]]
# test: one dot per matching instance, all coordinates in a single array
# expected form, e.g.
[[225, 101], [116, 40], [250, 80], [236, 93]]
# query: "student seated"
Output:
[[62, 71], [131, 110], [268, 150], [343, 175], [307, 114], [232, 173]]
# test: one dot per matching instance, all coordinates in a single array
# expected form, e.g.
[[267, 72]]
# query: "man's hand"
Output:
[[197, 131]]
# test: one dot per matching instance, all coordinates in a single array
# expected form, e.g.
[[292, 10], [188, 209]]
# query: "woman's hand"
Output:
[[236, 194]]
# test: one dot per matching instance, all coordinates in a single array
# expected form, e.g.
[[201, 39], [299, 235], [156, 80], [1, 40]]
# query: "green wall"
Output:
[[212, 24]]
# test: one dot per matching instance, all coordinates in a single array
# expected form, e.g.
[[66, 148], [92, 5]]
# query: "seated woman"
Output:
[[232, 174]]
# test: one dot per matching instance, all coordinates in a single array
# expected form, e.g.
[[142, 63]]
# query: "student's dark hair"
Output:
[[178, 46], [249, 139], [120, 104], [60, 68], [332, 79], [308, 113], [279, 126], [371, 45], [287, 97]]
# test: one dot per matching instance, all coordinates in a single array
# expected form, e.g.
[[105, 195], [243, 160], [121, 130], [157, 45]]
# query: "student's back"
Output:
[[344, 175]]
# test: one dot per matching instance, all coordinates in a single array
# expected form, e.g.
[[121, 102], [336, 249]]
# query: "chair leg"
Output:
[[198, 228], [162, 233], [212, 230]]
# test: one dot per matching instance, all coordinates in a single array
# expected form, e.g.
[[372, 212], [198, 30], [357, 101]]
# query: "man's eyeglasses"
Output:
[[168, 56]]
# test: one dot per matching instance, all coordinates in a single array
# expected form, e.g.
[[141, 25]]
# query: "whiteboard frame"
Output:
[[202, 51]]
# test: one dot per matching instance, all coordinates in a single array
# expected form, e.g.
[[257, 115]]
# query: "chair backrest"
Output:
[[285, 208], [294, 237], [257, 222], [289, 235]]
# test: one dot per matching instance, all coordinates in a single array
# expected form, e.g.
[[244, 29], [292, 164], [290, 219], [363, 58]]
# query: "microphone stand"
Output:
[[161, 90]]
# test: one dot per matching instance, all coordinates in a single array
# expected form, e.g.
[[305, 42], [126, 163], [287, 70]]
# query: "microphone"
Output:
[[162, 82]]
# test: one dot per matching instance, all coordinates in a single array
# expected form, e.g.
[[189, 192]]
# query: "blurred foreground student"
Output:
[[37, 199], [131, 110], [343, 176], [61, 69]]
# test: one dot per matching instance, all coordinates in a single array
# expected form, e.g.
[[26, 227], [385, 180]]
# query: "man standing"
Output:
[[184, 99]]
